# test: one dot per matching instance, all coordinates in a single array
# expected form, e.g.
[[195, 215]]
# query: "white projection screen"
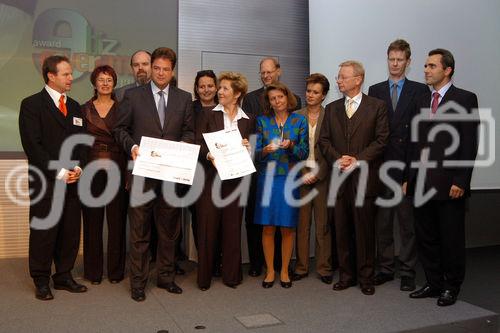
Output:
[[362, 30]]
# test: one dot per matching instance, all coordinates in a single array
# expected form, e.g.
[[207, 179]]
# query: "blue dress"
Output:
[[271, 206]]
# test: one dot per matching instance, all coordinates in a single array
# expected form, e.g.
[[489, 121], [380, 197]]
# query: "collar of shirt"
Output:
[[441, 91], [227, 122], [156, 90], [356, 99], [399, 83], [55, 95]]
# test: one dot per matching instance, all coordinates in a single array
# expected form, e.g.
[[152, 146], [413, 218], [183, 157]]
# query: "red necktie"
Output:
[[435, 102], [62, 106]]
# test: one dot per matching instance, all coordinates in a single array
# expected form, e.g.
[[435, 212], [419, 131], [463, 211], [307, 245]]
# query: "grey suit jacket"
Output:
[[120, 92], [322, 165], [138, 117]]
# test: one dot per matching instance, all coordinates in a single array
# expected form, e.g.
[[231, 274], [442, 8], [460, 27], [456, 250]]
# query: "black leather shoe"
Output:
[[407, 284], [267, 285], [286, 284], [254, 272], [328, 279], [298, 276], [382, 278], [138, 295], [204, 288], [426, 291], [179, 270], [95, 283], [171, 287], [231, 285], [341, 285], [447, 298], [70, 285], [114, 281], [43, 293], [368, 290]]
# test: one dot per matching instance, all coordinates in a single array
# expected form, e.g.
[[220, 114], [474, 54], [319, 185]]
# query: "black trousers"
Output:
[[93, 220], [58, 244], [440, 231], [403, 214], [167, 222]]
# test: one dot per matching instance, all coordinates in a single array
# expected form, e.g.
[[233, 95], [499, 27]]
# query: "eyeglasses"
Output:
[[101, 81], [342, 78], [268, 72]]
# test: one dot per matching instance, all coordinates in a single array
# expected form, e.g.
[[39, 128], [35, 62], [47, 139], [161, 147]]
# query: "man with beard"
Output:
[[140, 62]]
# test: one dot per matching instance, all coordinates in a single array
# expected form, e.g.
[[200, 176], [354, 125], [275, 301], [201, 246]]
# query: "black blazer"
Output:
[[43, 130], [366, 141], [213, 121], [254, 100], [441, 178], [138, 117], [399, 120]]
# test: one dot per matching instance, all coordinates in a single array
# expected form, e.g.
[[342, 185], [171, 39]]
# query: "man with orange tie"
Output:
[[46, 120]]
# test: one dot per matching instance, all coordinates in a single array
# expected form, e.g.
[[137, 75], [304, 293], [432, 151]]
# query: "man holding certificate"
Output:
[[218, 214], [157, 110]]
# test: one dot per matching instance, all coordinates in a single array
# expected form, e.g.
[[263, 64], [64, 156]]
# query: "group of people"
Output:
[[338, 148]]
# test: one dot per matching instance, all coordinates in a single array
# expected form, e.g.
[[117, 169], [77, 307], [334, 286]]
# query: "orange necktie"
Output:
[[62, 106]]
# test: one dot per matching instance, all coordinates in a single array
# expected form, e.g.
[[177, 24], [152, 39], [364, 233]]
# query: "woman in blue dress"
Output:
[[282, 141]]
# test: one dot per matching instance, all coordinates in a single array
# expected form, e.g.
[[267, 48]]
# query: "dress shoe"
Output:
[[114, 281], [447, 298], [204, 288], [138, 295], [231, 285], [368, 289], [286, 284], [70, 285], [43, 293], [426, 291], [171, 287], [95, 283], [407, 283], [254, 272], [328, 279], [298, 276], [179, 270], [382, 278], [341, 285]]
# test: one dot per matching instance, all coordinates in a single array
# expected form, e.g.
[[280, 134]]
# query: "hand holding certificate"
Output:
[[232, 159], [166, 160]]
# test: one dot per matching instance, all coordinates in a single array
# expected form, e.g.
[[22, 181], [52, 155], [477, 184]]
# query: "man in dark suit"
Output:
[[140, 63], [157, 110], [353, 135], [270, 72], [440, 218], [46, 120], [399, 94]]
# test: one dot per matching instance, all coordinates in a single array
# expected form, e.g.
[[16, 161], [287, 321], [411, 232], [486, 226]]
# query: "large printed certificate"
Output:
[[232, 159], [166, 160]]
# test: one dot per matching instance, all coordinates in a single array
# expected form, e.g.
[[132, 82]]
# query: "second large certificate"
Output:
[[232, 159]]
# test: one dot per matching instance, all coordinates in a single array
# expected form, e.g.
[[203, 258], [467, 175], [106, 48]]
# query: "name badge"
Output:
[[77, 121]]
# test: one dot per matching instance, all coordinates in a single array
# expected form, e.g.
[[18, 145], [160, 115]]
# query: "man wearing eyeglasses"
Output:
[[352, 139], [270, 72], [399, 94]]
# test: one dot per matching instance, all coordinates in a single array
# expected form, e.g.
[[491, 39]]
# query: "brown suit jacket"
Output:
[[322, 165], [366, 141]]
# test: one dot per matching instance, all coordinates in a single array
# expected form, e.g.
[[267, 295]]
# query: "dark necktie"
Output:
[[394, 96], [435, 102], [161, 108]]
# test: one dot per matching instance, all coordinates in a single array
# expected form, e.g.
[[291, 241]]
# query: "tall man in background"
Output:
[[140, 63], [46, 120], [399, 94]]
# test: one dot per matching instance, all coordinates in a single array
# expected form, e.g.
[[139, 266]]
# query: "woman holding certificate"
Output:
[[227, 115], [282, 141]]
